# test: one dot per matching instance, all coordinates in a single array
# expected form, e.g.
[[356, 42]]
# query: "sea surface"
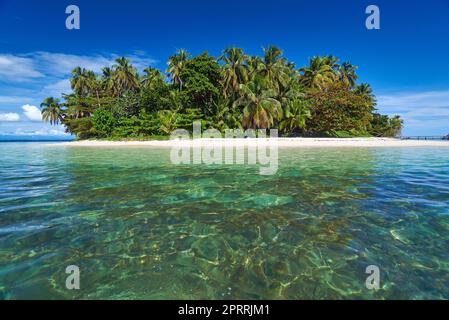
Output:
[[140, 227]]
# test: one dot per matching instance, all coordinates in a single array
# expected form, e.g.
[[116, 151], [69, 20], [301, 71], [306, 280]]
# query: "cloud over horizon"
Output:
[[9, 117], [29, 66], [424, 113], [17, 68], [26, 79], [33, 113], [30, 113]]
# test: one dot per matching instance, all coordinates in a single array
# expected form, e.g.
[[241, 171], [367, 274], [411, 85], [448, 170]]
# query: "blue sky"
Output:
[[405, 62]]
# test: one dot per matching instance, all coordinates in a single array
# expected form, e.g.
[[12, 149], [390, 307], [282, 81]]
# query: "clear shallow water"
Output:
[[140, 227]]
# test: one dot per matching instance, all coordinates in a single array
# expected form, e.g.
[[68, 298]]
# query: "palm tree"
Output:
[[320, 72], [332, 62], [224, 116], [78, 107], [254, 66], [168, 120], [235, 70], [348, 75], [107, 79], [296, 114], [176, 65], [174, 98], [83, 81], [366, 91], [260, 109], [396, 124], [125, 76], [51, 111], [151, 75], [273, 67], [293, 89]]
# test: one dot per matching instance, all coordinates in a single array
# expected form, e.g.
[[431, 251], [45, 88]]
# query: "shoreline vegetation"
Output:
[[233, 91], [279, 142]]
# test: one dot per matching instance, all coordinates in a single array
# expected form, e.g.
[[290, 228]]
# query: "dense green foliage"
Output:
[[103, 122], [234, 91]]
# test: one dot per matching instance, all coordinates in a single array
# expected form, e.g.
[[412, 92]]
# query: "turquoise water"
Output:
[[139, 227]]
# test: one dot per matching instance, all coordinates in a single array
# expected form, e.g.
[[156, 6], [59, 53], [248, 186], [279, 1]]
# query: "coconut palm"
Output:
[[332, 62], [176, 65], [78, 111], [78, 107], [83, 81], [273, 67], [175, 102], [319, 73], [260, 109], [168, 120], [396, 124], [125, 76], [51, 111], [224, 116], [107, 80], [254, 65], [235, 70], [347, 74], [151, 75], [295, 116], [366, 91]]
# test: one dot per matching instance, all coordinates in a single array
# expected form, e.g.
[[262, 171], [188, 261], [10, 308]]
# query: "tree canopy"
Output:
[[235, 90]]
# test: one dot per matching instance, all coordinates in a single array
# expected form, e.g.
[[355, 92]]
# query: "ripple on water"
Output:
[[140, 227]]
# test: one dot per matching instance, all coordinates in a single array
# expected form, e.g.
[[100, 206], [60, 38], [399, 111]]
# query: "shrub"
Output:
[[103, 122]]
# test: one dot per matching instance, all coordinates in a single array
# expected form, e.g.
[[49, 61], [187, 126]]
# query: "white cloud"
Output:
[[50, 132], [59, 64], [32, 128], [32, 112], [17, 68], [427, 103], [424, 113], [62, 64], [29, 130], [415, 99], [29, 66], [57, 88], [12, 116], [429, 112], [140, 60], [13, 99], [40, 132]]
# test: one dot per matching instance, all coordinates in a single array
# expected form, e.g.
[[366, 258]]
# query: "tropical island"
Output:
[[235, 90]]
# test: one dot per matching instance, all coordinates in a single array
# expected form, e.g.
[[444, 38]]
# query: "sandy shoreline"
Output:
[[281, 142]]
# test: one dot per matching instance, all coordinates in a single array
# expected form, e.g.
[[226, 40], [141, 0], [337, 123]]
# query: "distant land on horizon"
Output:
[[8, 138]]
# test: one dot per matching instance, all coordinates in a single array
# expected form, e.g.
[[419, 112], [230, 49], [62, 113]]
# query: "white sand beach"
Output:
[[281, 142]]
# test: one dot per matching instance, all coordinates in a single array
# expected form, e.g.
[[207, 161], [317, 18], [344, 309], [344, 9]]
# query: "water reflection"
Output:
[[140, 227]]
